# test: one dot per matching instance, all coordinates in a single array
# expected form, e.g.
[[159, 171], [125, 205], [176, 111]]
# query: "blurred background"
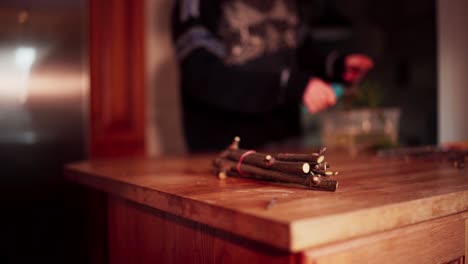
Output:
[[83, 79]]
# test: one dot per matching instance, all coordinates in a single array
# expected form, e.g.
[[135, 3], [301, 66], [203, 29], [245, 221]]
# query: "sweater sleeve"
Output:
[[206, 78]]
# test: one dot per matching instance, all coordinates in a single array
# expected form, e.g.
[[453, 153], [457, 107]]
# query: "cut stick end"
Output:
[[306, 167], [222, 175], [322, 150], [235, 143], [269, 160], [320, 159]]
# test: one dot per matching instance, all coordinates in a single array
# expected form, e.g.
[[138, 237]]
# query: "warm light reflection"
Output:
[[15, 72], [31, 88], [25, 57]]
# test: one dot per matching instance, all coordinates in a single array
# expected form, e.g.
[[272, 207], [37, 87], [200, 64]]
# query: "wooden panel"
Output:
[[375, 196], [138, 234], [438, 241], [466, 238], [117, 78], [460, 260]]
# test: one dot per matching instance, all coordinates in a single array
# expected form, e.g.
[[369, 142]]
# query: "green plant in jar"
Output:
[[364, 121]]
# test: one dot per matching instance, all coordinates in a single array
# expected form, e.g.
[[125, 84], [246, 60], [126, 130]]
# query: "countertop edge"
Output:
[[276, 234], [430, 208], [292, 237]]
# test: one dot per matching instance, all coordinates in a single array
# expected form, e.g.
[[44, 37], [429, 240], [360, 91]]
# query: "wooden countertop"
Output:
[[374, 195]]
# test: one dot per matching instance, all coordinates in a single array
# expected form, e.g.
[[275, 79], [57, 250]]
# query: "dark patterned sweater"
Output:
[[239, 70]]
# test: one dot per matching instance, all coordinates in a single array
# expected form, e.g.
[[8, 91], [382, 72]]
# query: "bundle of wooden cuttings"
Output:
[[304, 169]]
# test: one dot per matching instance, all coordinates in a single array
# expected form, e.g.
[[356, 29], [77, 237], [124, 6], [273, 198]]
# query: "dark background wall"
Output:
[[401, 37]]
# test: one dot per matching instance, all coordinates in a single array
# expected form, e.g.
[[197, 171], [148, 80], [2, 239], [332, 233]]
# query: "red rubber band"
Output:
[[240, 161]]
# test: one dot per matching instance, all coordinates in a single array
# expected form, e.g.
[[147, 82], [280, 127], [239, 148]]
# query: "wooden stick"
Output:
[[222, 174], [322, 166], [250, 171], [310, 158], [458, 157], [235, 143], [323, 172], [315, 181], [322, 150], [267, 162]]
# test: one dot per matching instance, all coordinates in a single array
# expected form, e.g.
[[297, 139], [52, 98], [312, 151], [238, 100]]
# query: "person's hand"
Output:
[[318, 96], [356, 67]]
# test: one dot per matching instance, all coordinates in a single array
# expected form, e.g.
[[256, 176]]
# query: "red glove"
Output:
[[318, 95]]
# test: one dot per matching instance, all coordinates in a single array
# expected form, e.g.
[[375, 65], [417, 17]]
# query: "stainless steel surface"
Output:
[[43, 97], [43, 79]]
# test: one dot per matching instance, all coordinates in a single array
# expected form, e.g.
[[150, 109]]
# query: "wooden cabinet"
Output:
[[174, 210], [138, 234], [117, 99], [460, 260], [437, 241]]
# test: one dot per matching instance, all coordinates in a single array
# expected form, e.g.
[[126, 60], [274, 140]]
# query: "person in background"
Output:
[[240, 75]]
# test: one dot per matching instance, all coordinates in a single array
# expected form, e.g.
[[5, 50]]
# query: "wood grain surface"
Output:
[[438, 241], [139, 235], [374, 195]]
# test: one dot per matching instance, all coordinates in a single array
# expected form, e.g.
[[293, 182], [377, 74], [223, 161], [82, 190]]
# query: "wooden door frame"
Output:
[[117, 107], [117, 78]]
